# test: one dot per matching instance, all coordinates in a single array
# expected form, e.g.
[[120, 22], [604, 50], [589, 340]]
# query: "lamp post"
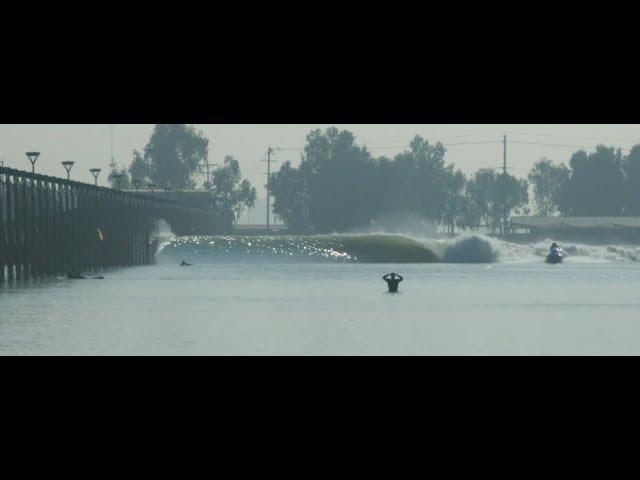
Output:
[[118, 178], [95, 172], [33, 158], [67, 166], [136, 184]]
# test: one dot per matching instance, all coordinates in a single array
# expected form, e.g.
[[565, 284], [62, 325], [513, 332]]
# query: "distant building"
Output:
[[584, 228]]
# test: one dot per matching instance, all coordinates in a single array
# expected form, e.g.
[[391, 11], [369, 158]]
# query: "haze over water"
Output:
[[304, 296]]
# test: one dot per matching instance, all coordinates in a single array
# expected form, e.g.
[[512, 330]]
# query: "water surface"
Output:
[[239, 303]]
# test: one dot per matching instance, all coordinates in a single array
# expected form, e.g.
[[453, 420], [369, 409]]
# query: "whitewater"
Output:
[[324, 295]]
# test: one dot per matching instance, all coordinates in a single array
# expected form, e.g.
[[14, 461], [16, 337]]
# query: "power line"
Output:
[[560, 145], [574, 136], [395, 146], [552, 144]]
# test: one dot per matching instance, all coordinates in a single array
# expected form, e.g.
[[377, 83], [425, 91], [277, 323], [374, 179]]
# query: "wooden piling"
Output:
[[49, 225]]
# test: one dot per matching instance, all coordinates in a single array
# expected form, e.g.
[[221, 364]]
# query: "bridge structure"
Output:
[[50, 225]]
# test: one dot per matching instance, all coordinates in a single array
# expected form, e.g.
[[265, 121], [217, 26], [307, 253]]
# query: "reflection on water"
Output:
[[293, 307]]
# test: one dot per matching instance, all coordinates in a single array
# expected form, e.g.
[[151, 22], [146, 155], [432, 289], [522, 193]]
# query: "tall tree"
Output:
[[632, 170], [291, 197], [596, 186], [454, 209], [494, 196], [125, 181], [231, 193], [415, 181], [548, 180], [174, 153], [139, 168], [338, 176], [509, 194], [479, 195]]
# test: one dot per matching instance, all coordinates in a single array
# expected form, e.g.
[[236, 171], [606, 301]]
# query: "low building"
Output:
[[578, 228]]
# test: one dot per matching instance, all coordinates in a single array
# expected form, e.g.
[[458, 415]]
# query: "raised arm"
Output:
[[400, 277]]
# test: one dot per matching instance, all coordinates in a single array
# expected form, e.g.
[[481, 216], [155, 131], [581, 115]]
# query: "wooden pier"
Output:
[[50, 225]]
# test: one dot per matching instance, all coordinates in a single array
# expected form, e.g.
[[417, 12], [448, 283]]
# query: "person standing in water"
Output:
[[393, 280]]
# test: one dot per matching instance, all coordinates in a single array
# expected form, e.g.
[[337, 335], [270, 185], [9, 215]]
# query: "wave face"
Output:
[[470, 249], [330, 248], [379, 248]]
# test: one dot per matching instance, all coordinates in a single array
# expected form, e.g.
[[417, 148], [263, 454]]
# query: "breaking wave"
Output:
[[332, 248], [378, 248]]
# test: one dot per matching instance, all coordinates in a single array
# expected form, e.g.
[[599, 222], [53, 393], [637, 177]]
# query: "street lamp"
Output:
[[118, 178], [95, 172], [33, 157], [67, 166], [136, 184]]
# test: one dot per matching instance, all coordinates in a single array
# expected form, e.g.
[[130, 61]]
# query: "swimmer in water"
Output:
[[75, 276], [78, 276], [185, 264], [393, 280]]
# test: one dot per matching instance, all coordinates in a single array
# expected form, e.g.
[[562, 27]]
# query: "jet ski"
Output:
[[555, 255]]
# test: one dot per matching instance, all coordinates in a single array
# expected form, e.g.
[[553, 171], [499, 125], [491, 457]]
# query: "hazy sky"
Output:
[[89, 145]]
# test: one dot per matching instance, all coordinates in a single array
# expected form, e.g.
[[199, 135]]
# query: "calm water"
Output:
[[243, 303]]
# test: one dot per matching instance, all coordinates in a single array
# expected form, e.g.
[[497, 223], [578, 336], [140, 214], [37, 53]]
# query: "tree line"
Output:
[[601, 183], [340, 186], [173, 159]]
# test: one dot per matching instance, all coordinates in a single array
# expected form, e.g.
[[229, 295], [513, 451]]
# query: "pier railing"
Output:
[[51, 225]]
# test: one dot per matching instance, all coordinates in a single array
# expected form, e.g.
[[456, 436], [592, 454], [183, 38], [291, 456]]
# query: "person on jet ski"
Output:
[[555, 255]]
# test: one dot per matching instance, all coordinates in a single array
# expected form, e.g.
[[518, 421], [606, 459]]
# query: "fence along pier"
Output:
[[49, 225]]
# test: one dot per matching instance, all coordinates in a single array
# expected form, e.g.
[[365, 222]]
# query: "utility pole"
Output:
[[111, 128], [206, 160], [504, 171], [270, 151], [504, 167]]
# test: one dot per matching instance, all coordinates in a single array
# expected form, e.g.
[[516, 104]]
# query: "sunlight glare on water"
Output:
[[259, 296]]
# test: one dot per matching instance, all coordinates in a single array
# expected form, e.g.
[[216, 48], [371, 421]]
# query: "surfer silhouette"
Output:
[[75, 275], [393, 280], [78, 276]]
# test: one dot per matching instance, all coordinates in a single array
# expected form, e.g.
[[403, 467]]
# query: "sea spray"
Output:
[[406, 224], [163, 236], [470, 249]]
